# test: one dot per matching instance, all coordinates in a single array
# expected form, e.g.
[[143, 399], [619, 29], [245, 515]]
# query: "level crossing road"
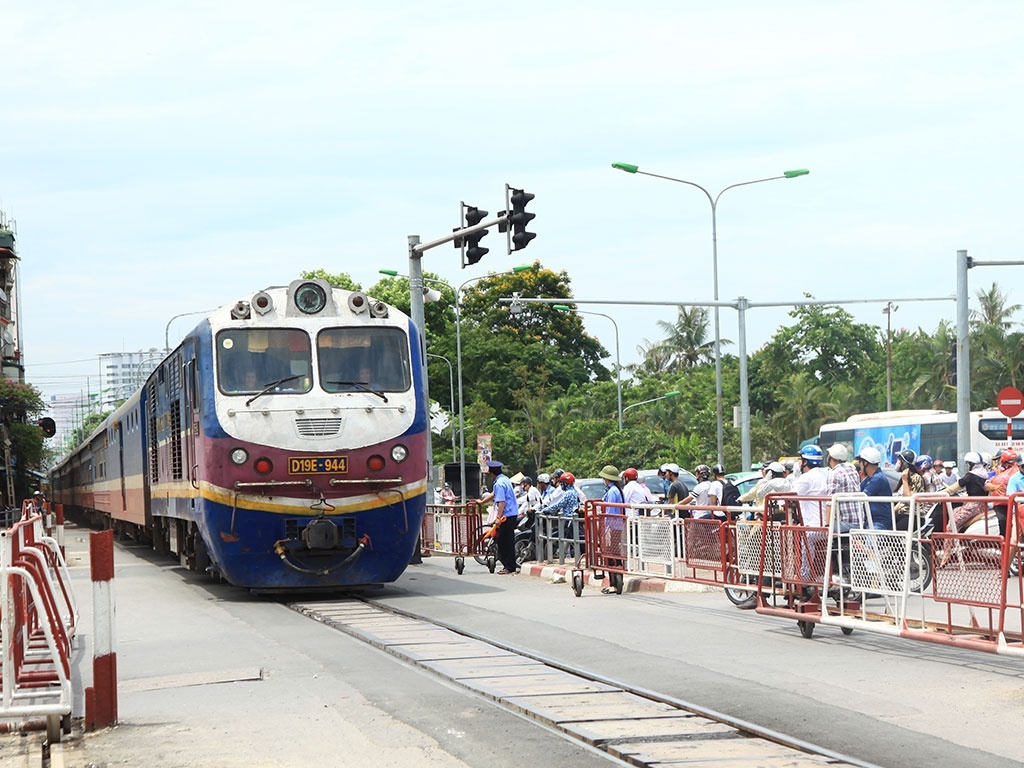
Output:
[[884, 700], [212, 675]]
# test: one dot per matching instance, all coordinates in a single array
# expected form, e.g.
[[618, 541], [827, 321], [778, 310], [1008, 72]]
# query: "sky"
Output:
[[162, 158]]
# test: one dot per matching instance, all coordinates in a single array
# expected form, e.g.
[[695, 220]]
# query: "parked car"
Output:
[[649, 477], [590, 487], [744, 481]]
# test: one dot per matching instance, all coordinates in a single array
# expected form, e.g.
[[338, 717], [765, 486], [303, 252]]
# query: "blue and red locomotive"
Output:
[[281, 445]]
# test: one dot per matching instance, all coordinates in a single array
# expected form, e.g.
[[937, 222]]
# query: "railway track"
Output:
[[632, 725]]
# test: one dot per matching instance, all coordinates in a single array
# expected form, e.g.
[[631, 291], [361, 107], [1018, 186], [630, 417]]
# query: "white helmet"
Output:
[[870, 455], [971, 458], [838, 452], [543, 477]]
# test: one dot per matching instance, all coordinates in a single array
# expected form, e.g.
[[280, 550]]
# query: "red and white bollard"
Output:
[[101, 698]]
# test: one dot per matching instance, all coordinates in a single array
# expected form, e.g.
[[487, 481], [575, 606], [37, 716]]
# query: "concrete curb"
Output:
[[559, 574]]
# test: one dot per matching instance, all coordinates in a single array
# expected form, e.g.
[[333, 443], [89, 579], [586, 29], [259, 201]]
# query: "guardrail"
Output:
[[38, 619], [922, 579]]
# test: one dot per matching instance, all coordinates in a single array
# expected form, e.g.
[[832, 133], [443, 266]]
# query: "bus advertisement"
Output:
[[923, 431]]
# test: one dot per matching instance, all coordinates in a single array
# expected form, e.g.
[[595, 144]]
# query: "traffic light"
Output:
[[48, 426], [520, 218], [473, 250]]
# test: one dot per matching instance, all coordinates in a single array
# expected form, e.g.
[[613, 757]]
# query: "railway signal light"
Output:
[[48, 426], [472, 250]]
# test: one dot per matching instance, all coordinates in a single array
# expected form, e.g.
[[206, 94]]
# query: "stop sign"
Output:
[[1010, 402]]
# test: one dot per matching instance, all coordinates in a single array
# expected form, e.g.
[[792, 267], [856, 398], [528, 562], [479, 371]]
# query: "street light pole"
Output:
[[713, 200], [167, 328], [451, 392], [618, 360], [673, 393], [887, 310]]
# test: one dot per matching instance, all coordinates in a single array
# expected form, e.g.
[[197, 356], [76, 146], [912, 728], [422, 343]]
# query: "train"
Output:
[[281, 446]]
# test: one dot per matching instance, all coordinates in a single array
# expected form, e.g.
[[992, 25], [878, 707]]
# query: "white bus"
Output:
[[930, 432]]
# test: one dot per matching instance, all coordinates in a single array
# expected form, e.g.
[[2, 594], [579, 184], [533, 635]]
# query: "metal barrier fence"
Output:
[[459, 529], [921, 579], [38, 619]]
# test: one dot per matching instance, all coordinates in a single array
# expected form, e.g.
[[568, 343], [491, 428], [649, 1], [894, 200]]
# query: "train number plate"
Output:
[[315, 465]]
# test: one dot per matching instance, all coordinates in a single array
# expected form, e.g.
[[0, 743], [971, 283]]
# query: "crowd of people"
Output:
[[815, 474]]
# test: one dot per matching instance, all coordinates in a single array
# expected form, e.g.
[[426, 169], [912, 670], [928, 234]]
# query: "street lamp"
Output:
[[673, 393], [451, 391], [887, 310], [167, 328], [618, 361], [630, 168]]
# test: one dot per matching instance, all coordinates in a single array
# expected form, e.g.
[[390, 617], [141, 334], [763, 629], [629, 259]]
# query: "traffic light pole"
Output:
[[458, 234], [516, 218], [416, 251]]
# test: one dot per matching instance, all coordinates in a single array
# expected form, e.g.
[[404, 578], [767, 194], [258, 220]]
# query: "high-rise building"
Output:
[[121, 373]]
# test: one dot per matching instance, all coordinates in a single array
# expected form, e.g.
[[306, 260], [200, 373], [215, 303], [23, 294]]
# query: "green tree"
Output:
[[686, 340], [20, 405], [924, 368], [995, 309], [340, 280]]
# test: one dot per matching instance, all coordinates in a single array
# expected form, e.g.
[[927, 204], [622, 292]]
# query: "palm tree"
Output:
[[935, 384], [994, 310], [805, 405], [687, 338], [1000, 364], [657, 358]]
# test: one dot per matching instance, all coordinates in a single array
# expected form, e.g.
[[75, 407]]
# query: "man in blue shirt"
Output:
[[507, 509], [875, 483]]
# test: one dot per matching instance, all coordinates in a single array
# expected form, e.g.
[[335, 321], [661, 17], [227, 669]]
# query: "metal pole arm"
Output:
[[421, 247]]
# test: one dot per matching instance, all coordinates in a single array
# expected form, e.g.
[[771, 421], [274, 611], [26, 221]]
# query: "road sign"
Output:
[[1010, 402]]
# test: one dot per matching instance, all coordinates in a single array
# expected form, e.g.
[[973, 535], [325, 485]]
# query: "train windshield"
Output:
[[363, 358], [250, 360]]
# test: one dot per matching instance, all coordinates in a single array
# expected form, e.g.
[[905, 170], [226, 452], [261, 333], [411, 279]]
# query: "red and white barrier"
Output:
[[37, 621]]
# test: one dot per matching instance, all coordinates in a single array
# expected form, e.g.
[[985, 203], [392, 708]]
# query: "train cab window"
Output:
[[249, 360], [352, 358]]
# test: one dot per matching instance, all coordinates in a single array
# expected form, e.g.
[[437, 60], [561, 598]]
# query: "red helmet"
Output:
[[1009, 456], [630, 474], [568, 478]]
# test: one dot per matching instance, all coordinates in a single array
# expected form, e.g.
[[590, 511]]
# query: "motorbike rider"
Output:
[[555, 489], [911, 482], [568, 502], [544, 486], [567, 505], [996, 486], [812, 481], [701, 494], [677, 492], [635, 492], [973, 482], [875, 483]]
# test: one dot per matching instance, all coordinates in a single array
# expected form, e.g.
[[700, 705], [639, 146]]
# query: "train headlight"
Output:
[[399, 453], [239, 456], [310, 298]]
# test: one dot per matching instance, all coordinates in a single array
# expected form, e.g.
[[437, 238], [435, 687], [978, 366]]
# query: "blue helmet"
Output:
[[924, 463], [812, 454]]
